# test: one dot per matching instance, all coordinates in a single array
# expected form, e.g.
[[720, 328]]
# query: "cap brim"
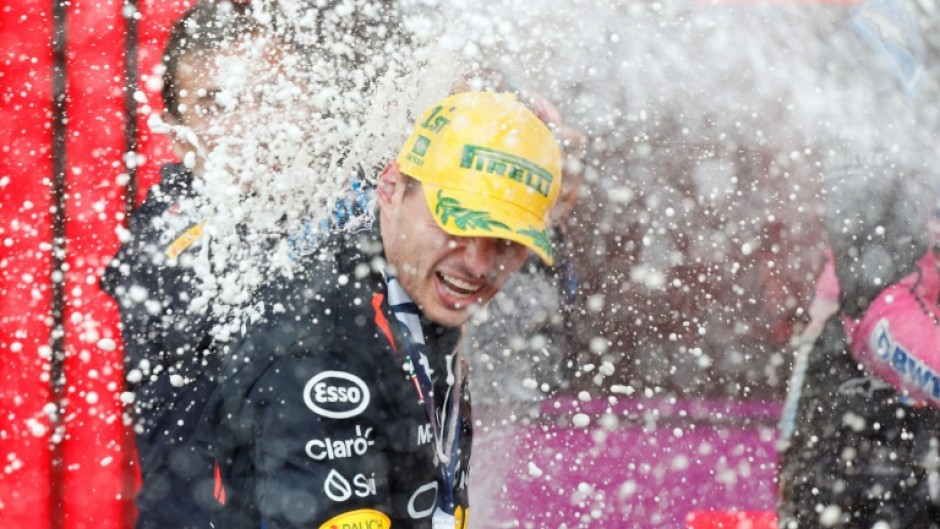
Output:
[[467, 214]]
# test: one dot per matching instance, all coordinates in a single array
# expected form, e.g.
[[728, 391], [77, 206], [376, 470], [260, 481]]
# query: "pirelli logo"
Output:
[[517, 168]]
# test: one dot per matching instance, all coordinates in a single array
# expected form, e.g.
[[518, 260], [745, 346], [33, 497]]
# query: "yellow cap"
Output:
[[489, 168]]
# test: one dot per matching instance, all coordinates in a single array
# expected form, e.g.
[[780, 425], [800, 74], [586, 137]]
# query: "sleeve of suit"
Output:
[[898, 336]]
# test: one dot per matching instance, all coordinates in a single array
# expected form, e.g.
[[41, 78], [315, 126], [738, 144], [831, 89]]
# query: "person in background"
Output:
[[345, 404], [856, 450], [170, 356]]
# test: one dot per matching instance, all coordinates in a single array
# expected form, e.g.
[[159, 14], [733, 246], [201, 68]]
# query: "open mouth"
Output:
[[458, 288]]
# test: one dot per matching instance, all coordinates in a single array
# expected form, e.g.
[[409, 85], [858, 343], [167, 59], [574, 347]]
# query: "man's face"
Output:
[[448, 277], [228, 93]]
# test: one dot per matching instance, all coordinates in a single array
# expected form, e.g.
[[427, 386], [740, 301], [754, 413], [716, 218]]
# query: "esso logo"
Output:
[[336, 395]]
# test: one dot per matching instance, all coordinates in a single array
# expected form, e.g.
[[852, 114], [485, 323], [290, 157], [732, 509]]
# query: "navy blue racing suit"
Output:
[[314, 422]]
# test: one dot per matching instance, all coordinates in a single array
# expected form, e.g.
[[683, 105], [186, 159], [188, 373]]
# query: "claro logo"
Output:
[[336, 395], [321, 449]]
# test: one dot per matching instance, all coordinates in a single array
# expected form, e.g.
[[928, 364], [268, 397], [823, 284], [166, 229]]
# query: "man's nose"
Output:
[[482, 254]]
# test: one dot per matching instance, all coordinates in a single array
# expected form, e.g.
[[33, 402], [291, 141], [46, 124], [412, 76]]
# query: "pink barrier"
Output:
[[642, 459]]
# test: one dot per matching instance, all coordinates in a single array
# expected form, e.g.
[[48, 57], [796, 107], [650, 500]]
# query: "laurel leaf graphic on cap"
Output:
[[464, 218], [539, 237]]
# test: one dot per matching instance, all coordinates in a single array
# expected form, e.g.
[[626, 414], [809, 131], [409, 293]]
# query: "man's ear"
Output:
[[389, 182]]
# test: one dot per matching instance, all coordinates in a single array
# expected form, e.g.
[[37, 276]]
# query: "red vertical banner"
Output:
[[93, 487], [25, 262], [94, 449], [153, 19], [156, 18]]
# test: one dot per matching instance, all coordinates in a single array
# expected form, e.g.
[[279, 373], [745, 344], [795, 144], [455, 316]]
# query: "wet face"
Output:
[[449, 277], [226, 93]]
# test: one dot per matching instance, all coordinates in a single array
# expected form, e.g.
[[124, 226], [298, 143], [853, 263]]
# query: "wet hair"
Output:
[[207, 26]]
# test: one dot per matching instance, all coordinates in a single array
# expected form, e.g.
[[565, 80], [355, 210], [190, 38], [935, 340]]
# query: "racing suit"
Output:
[[857, 452], [167, 346], [898, 337], [316, 424]]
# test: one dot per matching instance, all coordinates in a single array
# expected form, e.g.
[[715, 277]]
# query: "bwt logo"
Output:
[[903, 362], [336, 395]]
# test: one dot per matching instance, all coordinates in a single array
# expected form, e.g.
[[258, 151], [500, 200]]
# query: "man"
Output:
[[171, 359], [345, 403]]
